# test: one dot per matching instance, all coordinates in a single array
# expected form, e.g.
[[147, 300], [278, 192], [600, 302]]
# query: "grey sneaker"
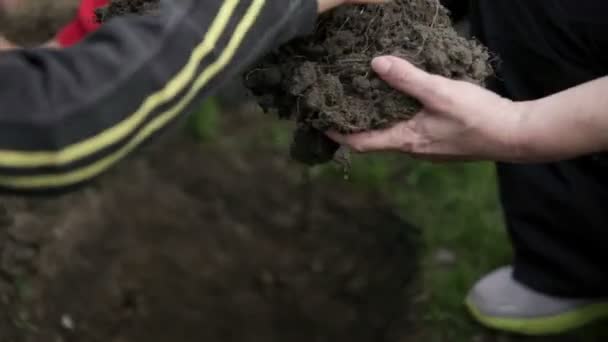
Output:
[[499, 302]]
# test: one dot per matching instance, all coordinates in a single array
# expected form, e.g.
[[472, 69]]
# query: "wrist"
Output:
[[520, 141], [539, 137]]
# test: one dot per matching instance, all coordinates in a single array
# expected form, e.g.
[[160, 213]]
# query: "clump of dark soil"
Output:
[[324, 82], [219, 243], [118, 8]]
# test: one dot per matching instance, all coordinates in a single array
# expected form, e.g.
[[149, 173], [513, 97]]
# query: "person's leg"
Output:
[[557, 219]]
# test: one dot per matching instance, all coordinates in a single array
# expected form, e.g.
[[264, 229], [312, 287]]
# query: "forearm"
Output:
[[567, 124], [68, 115]]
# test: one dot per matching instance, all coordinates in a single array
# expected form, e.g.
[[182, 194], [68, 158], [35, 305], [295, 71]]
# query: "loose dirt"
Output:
[[118, 8], [324, 81], [223, 242]]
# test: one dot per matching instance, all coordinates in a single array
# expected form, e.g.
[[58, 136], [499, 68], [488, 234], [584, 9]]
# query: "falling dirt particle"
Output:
[[317, 266], [266, 279], [67, 322], [345, 267], [356, 285]]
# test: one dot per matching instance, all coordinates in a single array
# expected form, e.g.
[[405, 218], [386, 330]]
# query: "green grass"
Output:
[[456, 207], [204, 125]]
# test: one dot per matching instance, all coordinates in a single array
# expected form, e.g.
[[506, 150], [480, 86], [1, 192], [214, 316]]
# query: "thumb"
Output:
[[407, 78]]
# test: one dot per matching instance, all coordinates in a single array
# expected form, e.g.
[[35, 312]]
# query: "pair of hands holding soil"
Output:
[[459, 120]]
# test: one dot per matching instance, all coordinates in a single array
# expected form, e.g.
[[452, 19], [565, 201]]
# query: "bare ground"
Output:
[[223, 242]]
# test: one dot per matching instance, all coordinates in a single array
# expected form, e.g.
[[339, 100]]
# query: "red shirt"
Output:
[[82, 25]]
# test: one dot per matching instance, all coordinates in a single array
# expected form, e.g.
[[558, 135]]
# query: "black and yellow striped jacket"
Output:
[[68, 115]]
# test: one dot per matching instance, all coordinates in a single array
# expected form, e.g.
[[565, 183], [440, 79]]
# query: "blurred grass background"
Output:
[[457, 209]]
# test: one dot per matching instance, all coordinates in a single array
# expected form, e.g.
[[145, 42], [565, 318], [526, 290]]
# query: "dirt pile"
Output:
[[324, 81], [225, 242]]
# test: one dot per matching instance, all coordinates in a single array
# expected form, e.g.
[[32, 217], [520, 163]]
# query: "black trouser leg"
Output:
[[557, 217]]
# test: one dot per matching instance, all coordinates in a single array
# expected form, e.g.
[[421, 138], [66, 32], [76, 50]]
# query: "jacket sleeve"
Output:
[[68, 115]]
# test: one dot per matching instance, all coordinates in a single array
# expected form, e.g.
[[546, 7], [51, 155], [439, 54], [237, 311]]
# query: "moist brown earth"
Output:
[[324, 81], [223, 242], [118, 8]]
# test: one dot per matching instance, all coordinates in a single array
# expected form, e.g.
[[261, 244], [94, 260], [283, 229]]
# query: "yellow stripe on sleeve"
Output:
[[104, 139], [76, 176]]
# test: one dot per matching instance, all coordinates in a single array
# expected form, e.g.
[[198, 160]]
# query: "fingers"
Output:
[[397, 137], [405, 77]]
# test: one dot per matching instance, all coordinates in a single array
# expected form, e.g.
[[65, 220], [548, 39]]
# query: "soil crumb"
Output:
[[118, 8], [324, 82]]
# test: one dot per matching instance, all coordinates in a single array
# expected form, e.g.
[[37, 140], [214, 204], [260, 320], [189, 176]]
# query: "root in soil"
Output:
[[324, 82]]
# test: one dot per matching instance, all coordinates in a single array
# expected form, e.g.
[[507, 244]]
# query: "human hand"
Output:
[[325, 5], [459, 120]]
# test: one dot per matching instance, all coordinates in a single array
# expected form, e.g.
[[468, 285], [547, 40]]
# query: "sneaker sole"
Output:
[[551, 325]]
